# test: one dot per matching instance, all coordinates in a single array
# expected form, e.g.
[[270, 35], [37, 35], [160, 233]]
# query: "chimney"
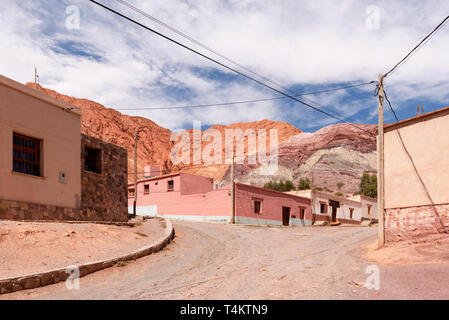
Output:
[[152, 171]]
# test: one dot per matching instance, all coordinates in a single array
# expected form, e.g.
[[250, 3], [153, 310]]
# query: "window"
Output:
[[323, 207], [351, 212], [92, 160], [131, 192], [257, 206], [26, 155], [302, 211], [170, 185], [146, 189], [369, 209]]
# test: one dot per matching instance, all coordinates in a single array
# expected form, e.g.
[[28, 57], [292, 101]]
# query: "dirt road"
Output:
[[211, 261]]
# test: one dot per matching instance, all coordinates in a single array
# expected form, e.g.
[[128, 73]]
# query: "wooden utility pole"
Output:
[[232, 189], [135, 172], [380, 165]]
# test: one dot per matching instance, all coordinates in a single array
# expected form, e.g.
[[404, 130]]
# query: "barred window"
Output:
[[26, 155]]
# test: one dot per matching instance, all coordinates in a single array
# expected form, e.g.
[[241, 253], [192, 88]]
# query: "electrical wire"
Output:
[[245, 101], [417, 47], [225, 58], [221, 64]]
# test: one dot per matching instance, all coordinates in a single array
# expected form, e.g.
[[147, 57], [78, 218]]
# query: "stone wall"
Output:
[[407, 223], [104, 196]]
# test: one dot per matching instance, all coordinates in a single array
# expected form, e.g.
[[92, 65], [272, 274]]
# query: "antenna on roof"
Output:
[[36, 78]]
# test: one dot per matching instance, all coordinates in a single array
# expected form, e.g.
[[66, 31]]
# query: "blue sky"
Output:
[[303, 45]]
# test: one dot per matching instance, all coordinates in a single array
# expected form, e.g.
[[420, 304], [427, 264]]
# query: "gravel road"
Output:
[[212, 261]]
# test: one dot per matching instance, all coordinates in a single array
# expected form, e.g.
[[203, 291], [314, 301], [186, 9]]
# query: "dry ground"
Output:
[[212, 261], [29, 247]]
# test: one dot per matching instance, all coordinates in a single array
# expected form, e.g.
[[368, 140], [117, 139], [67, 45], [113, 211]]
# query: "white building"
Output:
[[329, 207]]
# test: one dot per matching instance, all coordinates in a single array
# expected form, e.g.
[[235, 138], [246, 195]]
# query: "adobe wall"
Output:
[[406, 223], [271, 206]]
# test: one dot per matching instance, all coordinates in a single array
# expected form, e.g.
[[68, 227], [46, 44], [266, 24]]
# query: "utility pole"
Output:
[[135, 172], [233, 189], [380, 165]]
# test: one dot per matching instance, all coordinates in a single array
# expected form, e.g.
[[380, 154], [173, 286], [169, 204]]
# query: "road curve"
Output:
[[213, 261]]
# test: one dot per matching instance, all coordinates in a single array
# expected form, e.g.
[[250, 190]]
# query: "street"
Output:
[[213, 261]]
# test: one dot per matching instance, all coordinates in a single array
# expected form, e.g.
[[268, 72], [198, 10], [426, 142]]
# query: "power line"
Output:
[[247, 101], [225, 58], [391, 107], [217, 53], [417, 47], [221, 64], [201, 165]]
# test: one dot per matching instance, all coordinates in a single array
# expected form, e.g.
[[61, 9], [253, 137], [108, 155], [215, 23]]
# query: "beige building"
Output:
[[329, 207], [417, 176], [39, 147], [368, 206], [48, 169]]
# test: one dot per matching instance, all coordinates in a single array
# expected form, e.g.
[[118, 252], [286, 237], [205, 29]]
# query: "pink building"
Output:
[[190, 197]]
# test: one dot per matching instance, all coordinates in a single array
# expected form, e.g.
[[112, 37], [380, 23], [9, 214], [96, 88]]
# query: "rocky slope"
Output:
[[333, 155], [154, 143], [328, 157]]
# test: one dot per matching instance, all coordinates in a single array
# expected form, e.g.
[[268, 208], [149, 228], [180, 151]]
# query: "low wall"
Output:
[[19, 210], [406, 223], [54, 276]]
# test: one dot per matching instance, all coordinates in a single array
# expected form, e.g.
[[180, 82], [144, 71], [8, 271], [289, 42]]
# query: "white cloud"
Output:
[[293, 42]]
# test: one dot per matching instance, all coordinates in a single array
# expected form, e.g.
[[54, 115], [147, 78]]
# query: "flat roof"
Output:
[[418, 118], [10, 83], [169, 175], [272, 191]]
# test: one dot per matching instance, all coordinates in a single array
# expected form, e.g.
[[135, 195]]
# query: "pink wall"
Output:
[[194, 199], [191, 184], [272, 203]]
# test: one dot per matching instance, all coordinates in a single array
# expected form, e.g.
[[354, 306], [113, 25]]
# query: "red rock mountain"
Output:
[[154, 143]]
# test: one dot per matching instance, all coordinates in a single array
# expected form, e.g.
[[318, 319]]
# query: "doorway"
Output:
[[285, 216], [335, 205]]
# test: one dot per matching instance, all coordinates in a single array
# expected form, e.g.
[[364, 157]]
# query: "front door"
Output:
[[285, 216], [334, 214], [334, 204]]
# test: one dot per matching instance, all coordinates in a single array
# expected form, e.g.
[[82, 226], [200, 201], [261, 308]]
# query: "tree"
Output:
[[368, 185], [279, 186], [304, 184]]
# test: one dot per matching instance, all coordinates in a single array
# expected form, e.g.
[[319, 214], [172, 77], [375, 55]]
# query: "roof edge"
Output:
[[12, 84]]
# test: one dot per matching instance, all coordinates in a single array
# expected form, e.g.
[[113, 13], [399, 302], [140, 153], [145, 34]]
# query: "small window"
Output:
[[170, 185], [301, 212], [92, 160], [257, 206], [132, 192], [369, 209], [323, 207], [26, 155], [146, 189], [351, 212]]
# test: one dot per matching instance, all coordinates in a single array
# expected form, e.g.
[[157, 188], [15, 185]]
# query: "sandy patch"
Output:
[[29, 247], [424, 250]]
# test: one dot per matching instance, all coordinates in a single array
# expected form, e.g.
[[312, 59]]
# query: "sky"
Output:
[[303, 45]]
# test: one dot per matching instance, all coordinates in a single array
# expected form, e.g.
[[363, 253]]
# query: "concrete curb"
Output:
[[57, 275]]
